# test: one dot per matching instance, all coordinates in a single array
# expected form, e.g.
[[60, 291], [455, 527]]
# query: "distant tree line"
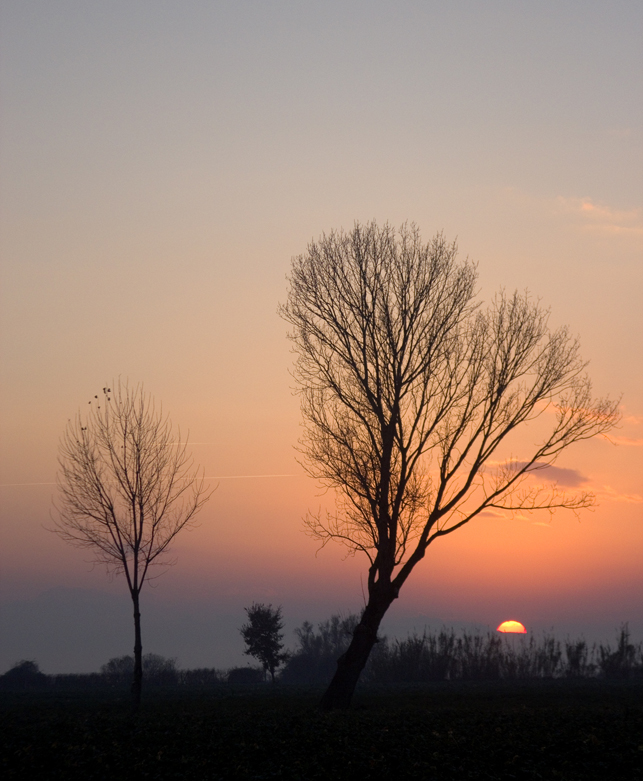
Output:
[[418, 659], [447, 655]]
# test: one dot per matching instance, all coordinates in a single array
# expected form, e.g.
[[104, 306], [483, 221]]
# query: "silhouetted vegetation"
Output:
[[485, 657], [157, 670], [416, 660], [447, 655], [201, 678], [440, 705], [624, 661], [245, 676], [25, 675], [314, 660], [263, 636]]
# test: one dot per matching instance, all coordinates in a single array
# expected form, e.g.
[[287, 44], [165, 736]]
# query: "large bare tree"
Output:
[[410, 390], [127, 487]]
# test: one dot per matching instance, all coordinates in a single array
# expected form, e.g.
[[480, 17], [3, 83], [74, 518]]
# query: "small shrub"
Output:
[[314, 662], [157, 670], [245, 676], [203, 676], [418, 659], [24, 675], [578, 659], [624, 661]]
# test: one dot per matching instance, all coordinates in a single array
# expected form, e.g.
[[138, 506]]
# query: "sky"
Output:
[[162, 162]]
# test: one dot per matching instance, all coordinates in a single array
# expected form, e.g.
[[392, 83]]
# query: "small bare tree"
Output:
[[409, 389], [126, 489]]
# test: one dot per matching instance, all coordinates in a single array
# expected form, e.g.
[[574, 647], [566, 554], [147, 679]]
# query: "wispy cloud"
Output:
[[13, 485], [633, 435], [607, 492], [570, 478], [630, 441], [492, 512], [244, 477], [601, 218]]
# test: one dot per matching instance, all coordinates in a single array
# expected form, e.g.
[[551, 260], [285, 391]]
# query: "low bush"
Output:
[[245, 676]]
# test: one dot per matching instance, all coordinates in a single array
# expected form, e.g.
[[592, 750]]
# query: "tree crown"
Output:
[[410, 388], [263, 636], [126, 482]]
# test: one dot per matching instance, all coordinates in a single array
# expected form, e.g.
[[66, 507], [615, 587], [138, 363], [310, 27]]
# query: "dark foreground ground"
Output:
[[555, 730]]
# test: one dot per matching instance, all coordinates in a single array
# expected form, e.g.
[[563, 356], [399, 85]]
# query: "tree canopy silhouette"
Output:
[[410, 390], [126, 489], [263, 636]]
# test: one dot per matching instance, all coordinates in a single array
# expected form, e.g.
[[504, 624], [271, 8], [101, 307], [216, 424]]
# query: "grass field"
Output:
[[586, 729]]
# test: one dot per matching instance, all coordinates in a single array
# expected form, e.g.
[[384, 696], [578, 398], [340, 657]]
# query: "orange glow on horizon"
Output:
[[513, 627]]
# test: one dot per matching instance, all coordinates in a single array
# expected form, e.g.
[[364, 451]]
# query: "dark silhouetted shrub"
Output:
[[203, 676], [625, 661], [315, 660], [578, 657], [245, 676], [157, 670], [24, 675], [263, 636]]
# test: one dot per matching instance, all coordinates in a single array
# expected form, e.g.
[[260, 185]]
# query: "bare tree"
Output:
[[410, 392], [126, 489]]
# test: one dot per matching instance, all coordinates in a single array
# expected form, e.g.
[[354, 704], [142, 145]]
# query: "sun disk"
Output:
[[514, 627]]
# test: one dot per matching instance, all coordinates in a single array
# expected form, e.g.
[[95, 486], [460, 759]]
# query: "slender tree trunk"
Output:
[[350, 665], [137, 682]]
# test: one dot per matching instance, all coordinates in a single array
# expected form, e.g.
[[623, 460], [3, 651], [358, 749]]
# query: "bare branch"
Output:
[[409, 389], [125, 488]]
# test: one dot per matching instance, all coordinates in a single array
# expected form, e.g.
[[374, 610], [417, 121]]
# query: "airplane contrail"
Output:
[[241, 477], [9, 485], [208, 477]]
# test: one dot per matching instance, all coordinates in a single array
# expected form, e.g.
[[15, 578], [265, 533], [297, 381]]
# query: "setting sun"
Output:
[[513, 627]]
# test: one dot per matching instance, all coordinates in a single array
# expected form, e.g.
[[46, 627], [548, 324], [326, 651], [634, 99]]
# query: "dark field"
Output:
[[542, 730]]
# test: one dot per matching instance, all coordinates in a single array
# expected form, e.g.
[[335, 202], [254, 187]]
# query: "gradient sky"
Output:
[[161, 164]]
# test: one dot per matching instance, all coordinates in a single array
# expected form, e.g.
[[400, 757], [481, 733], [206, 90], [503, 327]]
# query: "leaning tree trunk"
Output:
[[137, 682], [350, 665]]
